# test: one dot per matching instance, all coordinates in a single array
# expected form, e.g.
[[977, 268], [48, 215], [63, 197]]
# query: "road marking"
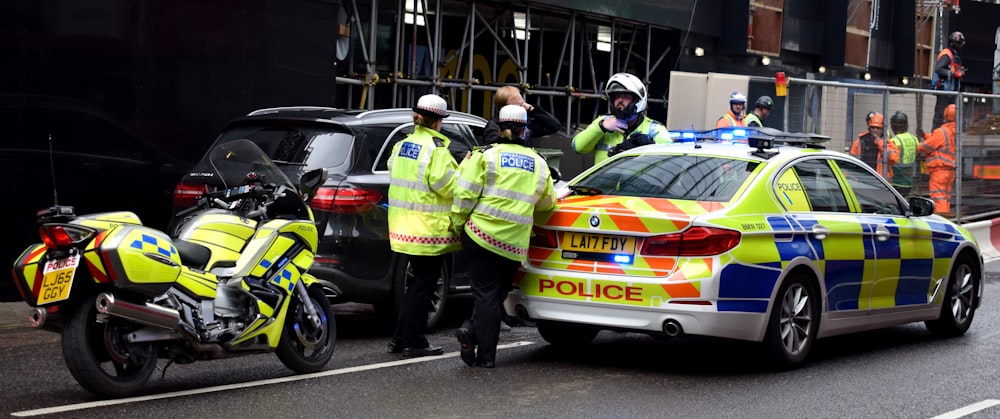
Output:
[[967, 410], [105, 403]]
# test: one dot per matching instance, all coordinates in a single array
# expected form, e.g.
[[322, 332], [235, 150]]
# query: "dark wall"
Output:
[[131, 92]]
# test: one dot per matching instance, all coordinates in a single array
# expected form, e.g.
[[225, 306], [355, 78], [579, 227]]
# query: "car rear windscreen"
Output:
[[313, 147], [688, 177]]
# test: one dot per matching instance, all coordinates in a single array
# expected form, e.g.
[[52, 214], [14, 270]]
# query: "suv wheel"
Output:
[[388, 312]]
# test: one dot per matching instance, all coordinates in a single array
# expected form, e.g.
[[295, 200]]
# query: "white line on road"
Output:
[[970, 409], [105, 403]]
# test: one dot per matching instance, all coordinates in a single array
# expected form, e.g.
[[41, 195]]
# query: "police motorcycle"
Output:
[[234, 282]]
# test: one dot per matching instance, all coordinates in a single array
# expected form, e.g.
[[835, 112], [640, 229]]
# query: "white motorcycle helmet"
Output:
[[626, 83]]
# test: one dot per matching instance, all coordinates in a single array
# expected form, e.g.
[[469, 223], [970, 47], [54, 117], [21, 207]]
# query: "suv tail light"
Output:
[[695, 241], [345, 200], [187, 194]]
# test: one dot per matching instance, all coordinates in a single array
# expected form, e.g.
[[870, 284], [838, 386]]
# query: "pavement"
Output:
[[14, 314]]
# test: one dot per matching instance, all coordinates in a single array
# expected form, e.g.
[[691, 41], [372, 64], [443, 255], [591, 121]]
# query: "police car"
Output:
[[756, 235]]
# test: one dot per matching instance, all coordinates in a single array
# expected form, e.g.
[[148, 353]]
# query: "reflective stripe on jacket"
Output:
[[870, 150], [903, 172], [939, 147], [421, 188], [497, 192], [595, 139], [729, 119]]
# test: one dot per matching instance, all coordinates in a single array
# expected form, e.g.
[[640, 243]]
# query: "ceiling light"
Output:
[[905, 80], [699, 51], [868, 76], [765, 60], [822, 69]]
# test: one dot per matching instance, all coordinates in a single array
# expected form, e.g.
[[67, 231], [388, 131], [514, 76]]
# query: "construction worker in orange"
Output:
[[939, 147], [734, 115], [872, 148]]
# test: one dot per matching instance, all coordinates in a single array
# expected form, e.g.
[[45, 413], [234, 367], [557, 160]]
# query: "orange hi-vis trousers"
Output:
[[941, 182]]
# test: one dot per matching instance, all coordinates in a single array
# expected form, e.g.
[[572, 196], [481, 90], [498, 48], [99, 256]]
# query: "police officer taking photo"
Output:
[[498, 190]]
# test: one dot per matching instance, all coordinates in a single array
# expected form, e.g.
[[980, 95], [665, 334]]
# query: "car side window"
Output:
[[820, 185], [375, 139], [461, 140], [872, 194], [394, 137]]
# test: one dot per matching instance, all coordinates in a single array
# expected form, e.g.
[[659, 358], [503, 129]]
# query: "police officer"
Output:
[[627, 125], [422, 180], [735, 114], [903, 172], [939, 147], [498, 191], [761, 110], [948, 74]]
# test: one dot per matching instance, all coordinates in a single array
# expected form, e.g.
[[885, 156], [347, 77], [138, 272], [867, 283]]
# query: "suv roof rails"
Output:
[[291, 108]]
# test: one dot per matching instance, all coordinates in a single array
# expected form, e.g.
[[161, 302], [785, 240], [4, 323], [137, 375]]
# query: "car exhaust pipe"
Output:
[[37, 317], [672, 328], [148, 314]]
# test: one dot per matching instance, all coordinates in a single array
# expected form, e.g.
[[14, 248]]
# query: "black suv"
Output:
[[354, 258]]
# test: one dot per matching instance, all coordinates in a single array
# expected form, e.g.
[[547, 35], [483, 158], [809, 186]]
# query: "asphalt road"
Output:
[[896, 372]]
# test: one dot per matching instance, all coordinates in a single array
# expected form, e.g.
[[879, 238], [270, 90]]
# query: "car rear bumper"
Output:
[[693, 320]]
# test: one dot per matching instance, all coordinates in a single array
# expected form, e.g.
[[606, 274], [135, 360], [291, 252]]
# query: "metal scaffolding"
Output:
[[491, 31]]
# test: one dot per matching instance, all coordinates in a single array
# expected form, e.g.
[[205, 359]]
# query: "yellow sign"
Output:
[[57, 279], [599, 243]]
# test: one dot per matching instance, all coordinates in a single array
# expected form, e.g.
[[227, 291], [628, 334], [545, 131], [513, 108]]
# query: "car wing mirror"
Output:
[[921, 206], [310, 182], [555, 173]]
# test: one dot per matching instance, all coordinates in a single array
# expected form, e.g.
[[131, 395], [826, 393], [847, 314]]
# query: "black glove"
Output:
[[633, 141]]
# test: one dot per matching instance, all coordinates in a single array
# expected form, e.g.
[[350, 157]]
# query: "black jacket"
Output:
[[540, 124]]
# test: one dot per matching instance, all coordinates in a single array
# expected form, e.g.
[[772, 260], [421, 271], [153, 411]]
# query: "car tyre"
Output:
[[793, 323], [959, 305], [388, 312], [566, 334]]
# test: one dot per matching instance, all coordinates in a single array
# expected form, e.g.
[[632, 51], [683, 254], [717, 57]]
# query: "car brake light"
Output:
[[345, 200], [695, 241], [57, 236], [541, 237], [187, 194]]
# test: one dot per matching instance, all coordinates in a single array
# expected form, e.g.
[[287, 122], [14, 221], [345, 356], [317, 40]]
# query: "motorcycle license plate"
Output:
[[57, 279]]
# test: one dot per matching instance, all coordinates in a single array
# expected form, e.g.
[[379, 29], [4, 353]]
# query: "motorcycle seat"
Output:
[[192, 254]]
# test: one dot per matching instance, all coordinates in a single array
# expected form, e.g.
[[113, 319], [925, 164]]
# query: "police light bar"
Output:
[[763, 137]]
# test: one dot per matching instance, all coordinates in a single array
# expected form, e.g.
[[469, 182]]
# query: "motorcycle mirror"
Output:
[[310, 182]]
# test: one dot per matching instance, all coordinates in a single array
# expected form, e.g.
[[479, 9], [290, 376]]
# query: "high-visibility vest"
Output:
[[595, 139], [752, 118], [945, 83], [421, 189], [903, 172], [497, 192], [939, 147], [729, 119]]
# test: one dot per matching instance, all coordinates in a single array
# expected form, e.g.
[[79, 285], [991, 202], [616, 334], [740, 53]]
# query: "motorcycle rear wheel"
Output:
[[304, 347], [100, 359]]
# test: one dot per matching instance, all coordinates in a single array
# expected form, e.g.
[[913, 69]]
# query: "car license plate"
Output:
[[600, 247], [57, 279]]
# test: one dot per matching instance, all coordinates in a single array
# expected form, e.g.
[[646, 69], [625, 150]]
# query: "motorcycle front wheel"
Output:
[[99, 357], [306, 347]]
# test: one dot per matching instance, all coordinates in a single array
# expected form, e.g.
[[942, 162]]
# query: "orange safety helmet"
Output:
[[949, 113], [877, 121]]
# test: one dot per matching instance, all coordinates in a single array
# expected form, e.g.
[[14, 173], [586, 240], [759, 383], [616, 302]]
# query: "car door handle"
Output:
[[882, 234], [820, 232]]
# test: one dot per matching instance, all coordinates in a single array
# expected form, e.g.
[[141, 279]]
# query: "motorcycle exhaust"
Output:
[[148, 314], [37, 317]]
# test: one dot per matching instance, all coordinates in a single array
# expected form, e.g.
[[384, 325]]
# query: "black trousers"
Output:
[[411, 326], [492, 277], [940, 103]]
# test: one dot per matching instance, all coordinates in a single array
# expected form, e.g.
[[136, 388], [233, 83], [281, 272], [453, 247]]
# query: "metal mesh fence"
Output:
[[838, 110]]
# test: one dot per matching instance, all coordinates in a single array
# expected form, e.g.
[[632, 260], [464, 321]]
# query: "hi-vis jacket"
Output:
[[729, 119], [497, 192], [903, 172], [421, 187], [939, 146], [595, 139]]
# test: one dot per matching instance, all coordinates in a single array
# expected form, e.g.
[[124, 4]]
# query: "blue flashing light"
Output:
[[626, 259], [727, 136], [740, 132]]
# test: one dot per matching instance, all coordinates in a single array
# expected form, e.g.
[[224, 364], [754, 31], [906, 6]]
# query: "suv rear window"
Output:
[[313, 147]]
